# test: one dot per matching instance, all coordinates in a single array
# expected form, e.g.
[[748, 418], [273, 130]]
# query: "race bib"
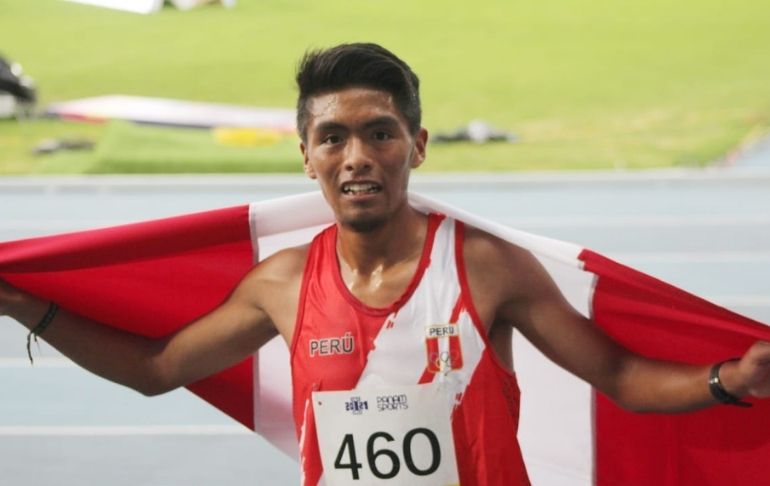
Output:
[[396, 436]]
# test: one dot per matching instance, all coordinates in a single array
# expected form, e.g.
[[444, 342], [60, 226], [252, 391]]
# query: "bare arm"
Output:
[[217, 340], [534, 305]]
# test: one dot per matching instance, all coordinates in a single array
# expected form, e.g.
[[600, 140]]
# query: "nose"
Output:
[[358, 156]]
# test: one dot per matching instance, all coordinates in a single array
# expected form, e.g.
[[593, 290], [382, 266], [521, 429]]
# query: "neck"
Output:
[[399, 239]]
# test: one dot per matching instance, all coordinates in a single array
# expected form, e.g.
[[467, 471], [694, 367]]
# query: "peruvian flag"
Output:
[[152, 278]]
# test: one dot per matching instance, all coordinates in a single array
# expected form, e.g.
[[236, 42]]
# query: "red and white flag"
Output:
[[152, 278]]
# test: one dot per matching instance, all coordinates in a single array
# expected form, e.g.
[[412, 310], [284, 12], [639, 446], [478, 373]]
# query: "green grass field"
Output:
[[585, 85]]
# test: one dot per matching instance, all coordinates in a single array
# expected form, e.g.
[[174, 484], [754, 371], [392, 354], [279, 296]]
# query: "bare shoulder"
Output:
[[284, 265], [272, 287], [496, 258], [501, 277], [280, 272], [504, 278]]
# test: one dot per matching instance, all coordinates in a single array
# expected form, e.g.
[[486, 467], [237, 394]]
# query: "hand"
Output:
[[753, 370]]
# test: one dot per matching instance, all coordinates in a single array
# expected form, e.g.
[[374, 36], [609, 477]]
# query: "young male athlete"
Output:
[[371, 297]]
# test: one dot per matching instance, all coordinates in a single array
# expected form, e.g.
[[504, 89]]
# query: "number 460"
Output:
[[395, 463]]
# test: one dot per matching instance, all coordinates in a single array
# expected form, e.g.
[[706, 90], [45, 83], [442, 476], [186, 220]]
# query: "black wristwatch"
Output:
[[718, 390]]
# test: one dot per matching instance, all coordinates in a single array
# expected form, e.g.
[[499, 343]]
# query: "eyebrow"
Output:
[[384, 120], [328, 126]]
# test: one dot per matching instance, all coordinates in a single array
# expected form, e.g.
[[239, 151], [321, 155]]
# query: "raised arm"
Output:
[[531, 302], [257, 309]]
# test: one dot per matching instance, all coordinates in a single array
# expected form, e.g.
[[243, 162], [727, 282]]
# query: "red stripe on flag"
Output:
[[718, 446], [161, 275]]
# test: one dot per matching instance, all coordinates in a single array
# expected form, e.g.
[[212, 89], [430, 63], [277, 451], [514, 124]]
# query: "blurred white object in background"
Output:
[[151, 6], [136, 6], [7, 105], [190, 4]]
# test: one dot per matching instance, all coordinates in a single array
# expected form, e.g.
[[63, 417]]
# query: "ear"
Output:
[[420, 147], [306, 161]]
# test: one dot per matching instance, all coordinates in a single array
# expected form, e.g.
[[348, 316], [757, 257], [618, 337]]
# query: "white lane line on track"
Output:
[[457, 180], [640, 221], [576, 221], [57, 362], [692, 257], [120, 430], [742, 300], [54, 224]]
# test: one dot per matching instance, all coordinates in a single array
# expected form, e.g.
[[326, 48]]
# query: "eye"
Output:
[[382, 136], [331, 139]]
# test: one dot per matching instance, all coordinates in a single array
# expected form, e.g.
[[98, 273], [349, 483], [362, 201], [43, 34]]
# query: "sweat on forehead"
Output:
[[363, 98], [353, 109]]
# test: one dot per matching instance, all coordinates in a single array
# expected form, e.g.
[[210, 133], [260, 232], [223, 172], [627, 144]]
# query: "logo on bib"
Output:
[[392, 402], [356, 406], [442, 344]]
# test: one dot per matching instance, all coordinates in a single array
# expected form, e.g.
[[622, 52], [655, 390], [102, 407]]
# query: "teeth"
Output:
[[360, 188]]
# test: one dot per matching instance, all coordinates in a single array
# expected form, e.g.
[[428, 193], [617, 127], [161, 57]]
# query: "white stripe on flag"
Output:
[[121, 430]]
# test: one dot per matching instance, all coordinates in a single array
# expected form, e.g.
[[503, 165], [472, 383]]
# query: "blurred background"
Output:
[[574, 84], [679, 89]]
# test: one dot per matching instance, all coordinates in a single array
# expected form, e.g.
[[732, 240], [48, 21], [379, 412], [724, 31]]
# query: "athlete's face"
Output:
[[360, 150]]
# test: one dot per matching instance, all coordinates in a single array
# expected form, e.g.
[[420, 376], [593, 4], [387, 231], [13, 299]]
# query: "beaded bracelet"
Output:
[[41, 327]]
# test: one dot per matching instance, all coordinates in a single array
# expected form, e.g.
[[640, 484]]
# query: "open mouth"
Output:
[[359, 188]]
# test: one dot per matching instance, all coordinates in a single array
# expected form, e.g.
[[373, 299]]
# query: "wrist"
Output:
[[726, 384], [730, 377]]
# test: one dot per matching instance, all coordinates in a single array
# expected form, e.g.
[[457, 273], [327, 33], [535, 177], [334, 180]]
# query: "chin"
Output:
[[364, 223]]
